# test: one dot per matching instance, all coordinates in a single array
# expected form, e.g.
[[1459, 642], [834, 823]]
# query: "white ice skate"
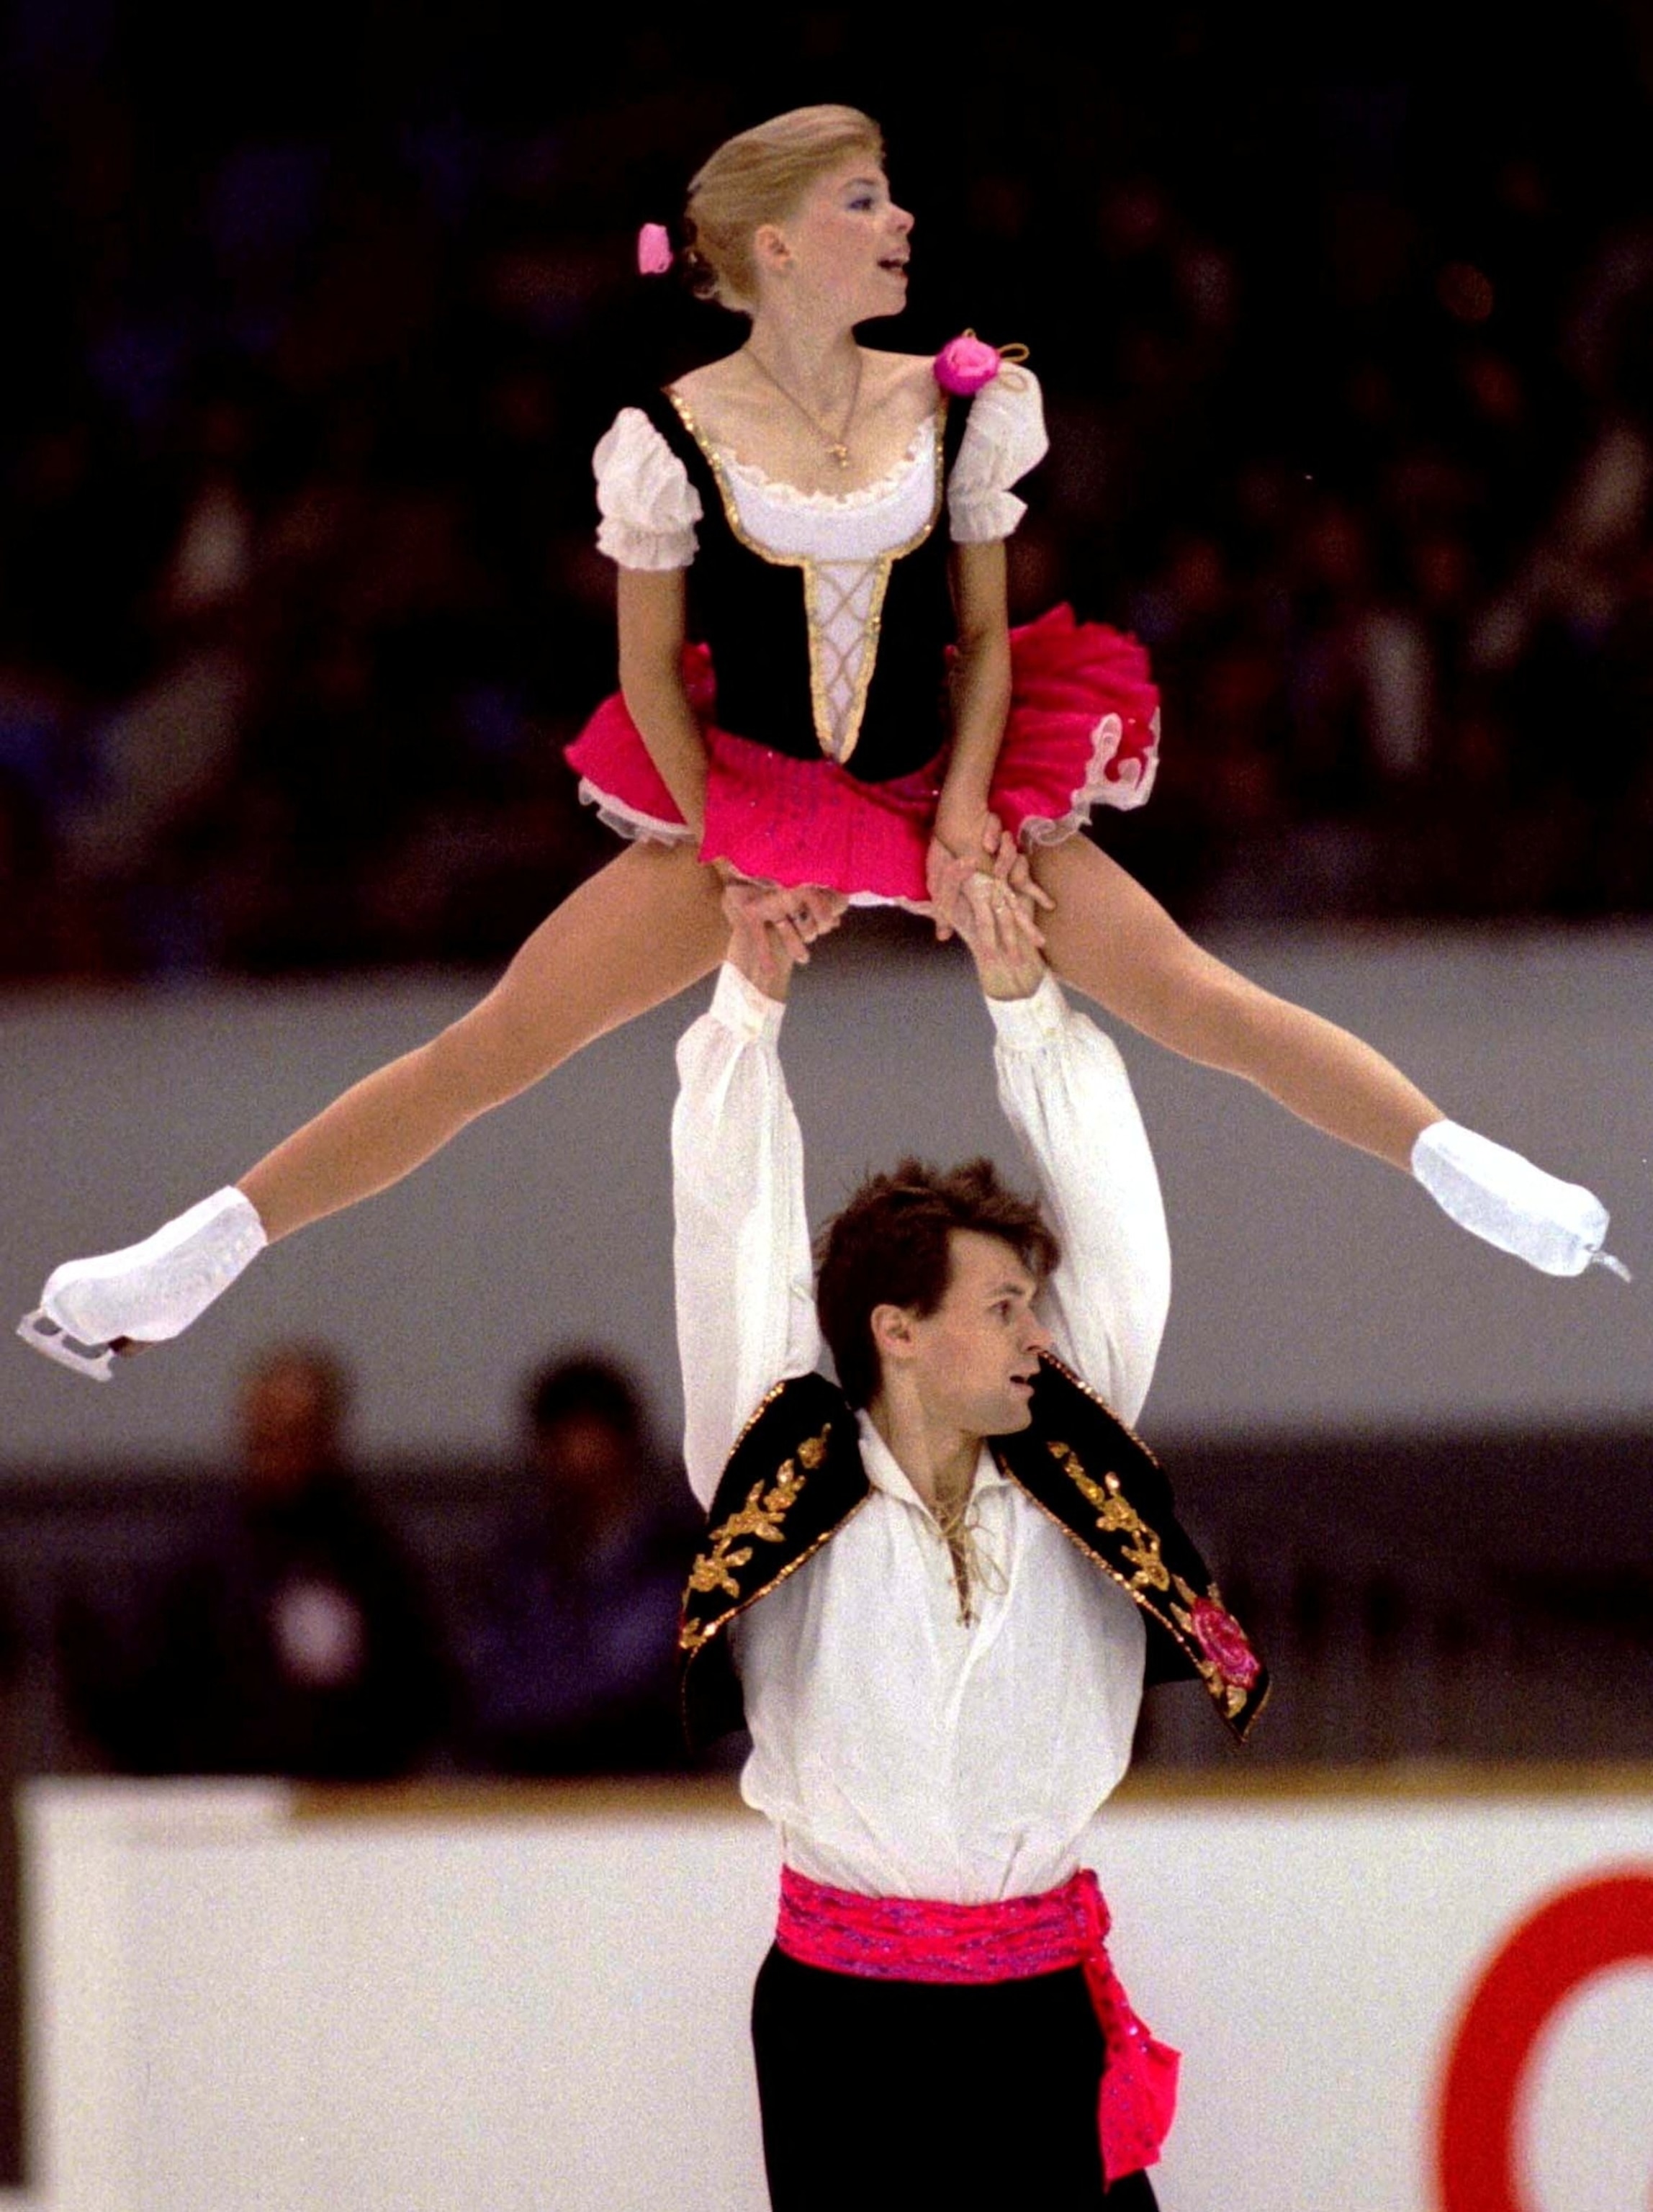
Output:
[[1494, 1193], [146, 1293]]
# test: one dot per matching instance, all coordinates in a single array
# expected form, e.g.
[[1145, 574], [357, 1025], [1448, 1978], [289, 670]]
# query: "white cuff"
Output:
[[742, 1008], [650, 550], [1556, 1227], [1024, 1024], [984, 518]]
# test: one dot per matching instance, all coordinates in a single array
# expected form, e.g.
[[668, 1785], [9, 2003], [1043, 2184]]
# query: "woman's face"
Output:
[[845, 246]]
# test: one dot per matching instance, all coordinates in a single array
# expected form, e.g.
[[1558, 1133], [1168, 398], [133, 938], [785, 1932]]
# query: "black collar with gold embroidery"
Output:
[[795, 1476]]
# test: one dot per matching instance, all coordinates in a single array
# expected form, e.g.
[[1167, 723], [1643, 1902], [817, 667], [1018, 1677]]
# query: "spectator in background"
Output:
[[571, 1643], [292, 1638]]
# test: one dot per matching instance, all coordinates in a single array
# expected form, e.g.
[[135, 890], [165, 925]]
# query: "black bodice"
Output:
[[751, 608]]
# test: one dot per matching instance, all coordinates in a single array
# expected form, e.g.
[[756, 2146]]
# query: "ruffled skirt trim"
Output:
[[1083, 732]]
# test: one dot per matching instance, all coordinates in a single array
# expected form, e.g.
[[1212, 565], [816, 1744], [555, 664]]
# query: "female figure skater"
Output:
[[871, 722]]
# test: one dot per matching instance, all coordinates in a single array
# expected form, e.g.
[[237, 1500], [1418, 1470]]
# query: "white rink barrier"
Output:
[[1404, 1992]]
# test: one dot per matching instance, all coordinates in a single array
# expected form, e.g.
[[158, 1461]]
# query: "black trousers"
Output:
[[971, 2097]]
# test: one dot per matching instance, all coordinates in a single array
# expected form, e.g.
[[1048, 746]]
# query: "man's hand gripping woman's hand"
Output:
[[772, 927], [992, 911], [983, 852]]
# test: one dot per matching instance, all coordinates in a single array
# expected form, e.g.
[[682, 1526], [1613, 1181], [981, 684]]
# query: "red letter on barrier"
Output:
[[1601, 1924]]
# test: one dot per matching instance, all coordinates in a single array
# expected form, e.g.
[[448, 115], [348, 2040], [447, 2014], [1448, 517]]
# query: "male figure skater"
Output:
[[934, 1591]]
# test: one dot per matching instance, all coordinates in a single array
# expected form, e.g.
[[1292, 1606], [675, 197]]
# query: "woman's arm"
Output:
[[965, 823], [652, 619], [980, 691], [981, 695], [1003, 439]]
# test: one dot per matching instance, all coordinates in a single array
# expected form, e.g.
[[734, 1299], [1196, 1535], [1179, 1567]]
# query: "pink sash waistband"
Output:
[[913, 1939]]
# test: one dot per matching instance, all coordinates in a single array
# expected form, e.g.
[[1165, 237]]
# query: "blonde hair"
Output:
[[759, 176]]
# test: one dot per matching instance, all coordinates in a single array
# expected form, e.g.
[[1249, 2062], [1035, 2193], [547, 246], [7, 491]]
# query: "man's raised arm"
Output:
[[745, 1287], [1064, 1092]]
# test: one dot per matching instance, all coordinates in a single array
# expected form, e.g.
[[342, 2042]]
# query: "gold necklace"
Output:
[[838, 446]]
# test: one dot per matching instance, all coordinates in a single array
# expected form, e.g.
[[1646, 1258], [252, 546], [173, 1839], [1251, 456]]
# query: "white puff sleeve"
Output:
[[1004, 438], [648, 506]]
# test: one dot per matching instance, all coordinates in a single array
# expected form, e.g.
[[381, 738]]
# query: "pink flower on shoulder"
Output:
[[1223, 1640], [964, 364]]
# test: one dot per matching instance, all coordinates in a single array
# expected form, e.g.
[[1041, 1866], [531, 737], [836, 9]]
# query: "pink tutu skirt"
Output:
[[1082, 731]]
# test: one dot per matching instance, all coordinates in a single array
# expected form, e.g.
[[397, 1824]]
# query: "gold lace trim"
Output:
[[818, 611]]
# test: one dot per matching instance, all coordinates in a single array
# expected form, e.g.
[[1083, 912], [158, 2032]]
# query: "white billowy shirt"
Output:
[[900, 1751], [649, 511]]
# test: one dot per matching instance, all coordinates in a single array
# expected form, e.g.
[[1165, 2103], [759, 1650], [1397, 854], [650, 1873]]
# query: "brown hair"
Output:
[[889, 1246], [757, 177]]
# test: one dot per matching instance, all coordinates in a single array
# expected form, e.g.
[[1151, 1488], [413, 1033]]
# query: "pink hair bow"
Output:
[[654, 255]]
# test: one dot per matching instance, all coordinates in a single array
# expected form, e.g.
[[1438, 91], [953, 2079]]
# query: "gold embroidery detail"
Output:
[[817, 612], [1229, 1695], [1171, 1619], [691, 1634], [1115, 1512], [693, 1637], [1128, 1583], [760, 1518]]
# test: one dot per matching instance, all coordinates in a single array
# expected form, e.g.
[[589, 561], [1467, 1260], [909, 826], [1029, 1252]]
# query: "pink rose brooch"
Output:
[[964, 364], [1228, 1662]]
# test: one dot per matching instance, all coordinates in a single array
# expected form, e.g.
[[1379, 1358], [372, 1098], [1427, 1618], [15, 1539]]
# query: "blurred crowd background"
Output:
[[289, 1617], [314, 316], [291, 1611]]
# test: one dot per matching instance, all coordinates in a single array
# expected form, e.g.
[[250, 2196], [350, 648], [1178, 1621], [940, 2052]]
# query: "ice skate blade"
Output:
[[1613, 1266], [41, 1334]]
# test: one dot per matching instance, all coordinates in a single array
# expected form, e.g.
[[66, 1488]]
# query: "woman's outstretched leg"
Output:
[[1113, 941], [641, 930], [1110, 940], [637, 932]]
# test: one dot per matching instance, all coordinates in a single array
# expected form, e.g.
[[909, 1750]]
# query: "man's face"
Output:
[[975, 1357]]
